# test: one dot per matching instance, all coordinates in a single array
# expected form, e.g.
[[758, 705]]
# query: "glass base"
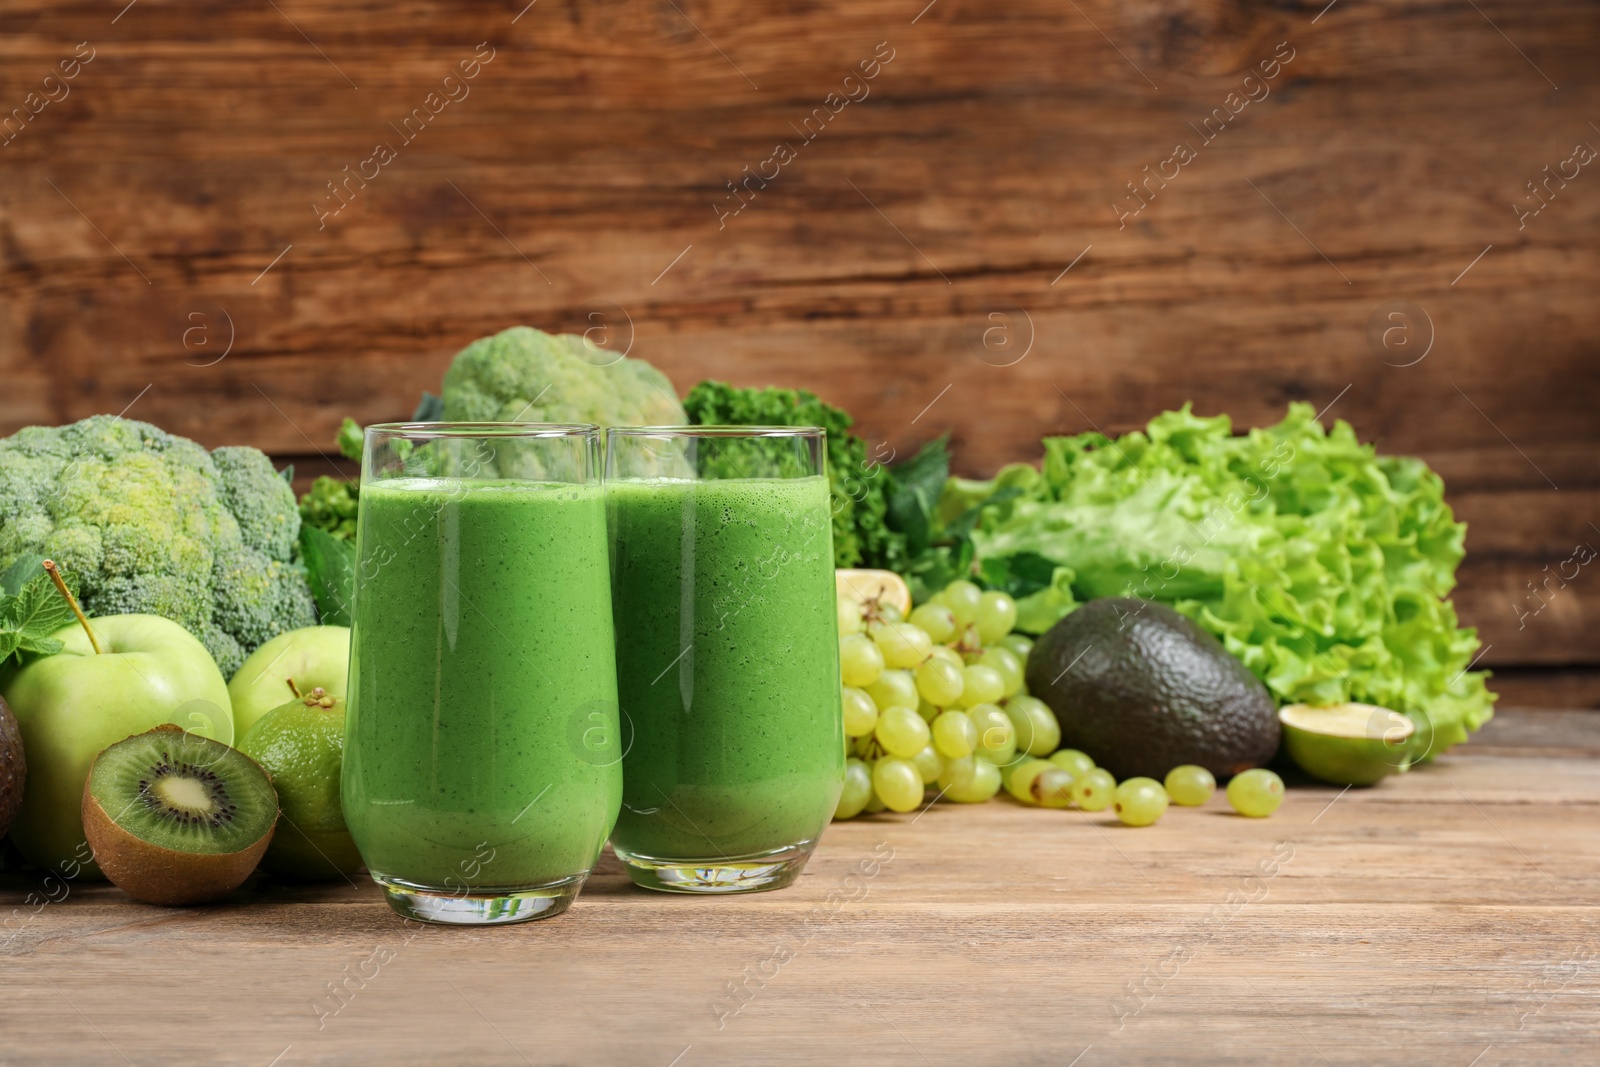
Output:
[[725, 874], [480, 905]]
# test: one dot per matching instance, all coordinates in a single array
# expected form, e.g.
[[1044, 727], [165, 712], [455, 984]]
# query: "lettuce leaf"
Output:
[[1320, 564]]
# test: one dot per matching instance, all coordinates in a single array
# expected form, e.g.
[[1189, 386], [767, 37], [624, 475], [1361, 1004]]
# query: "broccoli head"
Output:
[[523, 375], [154, 524]]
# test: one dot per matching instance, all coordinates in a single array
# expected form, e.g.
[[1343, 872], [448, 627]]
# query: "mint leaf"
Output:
[[330, 564], [39, 646], [18, 574], [1021, 574], [914, 491], [29, 619], [40, 608]]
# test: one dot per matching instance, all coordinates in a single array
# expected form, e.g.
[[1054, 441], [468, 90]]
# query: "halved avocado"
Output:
[[1348, 744]]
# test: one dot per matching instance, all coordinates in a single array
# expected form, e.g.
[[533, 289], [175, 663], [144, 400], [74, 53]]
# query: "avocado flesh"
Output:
[[1142, 689]]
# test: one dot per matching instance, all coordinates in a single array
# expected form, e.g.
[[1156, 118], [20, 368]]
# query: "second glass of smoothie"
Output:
[[482, 758], [727, 653]]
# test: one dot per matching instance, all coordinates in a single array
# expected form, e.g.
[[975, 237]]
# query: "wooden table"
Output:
[[1445, 917]]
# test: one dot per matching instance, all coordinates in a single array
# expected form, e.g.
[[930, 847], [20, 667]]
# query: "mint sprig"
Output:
[[29, 617]]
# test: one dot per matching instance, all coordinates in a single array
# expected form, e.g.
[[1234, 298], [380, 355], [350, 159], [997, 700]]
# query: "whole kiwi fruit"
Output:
[[176, 818], [13, 767]]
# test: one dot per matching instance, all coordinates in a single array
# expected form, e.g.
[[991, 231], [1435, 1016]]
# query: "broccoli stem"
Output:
[[72, 602]]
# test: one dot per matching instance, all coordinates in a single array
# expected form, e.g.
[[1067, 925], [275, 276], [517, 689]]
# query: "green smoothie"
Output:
[[481, 746], [728, 665]]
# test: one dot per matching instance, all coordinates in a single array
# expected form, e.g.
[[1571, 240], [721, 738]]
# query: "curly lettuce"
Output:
[[1323, 566]]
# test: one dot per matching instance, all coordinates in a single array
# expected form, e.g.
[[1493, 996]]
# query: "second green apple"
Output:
[[313, 657]]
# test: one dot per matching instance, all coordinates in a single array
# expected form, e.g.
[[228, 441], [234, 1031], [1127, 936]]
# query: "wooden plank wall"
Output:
[[168, 238]]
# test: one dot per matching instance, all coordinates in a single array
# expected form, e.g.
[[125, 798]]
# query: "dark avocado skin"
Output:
[[13, 767], [1148, 690]]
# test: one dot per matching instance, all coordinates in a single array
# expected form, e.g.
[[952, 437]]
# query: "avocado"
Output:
[[1142, 689], [13, 767]]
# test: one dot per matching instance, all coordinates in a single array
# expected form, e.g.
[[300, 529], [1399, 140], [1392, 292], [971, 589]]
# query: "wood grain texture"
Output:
[[139, 216], [1440, 914], [1547, 688]]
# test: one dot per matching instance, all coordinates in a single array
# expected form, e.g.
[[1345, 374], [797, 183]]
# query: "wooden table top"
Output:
[[1445, 917]]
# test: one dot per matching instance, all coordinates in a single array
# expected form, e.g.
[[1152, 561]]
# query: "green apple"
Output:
[[313, 656], [72, 705]]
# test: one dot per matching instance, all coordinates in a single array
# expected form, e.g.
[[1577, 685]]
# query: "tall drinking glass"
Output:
[[482, 758], [727, 653]]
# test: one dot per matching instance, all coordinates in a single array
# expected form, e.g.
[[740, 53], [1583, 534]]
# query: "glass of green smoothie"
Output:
[[722, 593], [482, 761]]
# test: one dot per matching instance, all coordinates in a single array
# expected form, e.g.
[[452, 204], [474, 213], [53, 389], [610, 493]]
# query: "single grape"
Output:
[[935, 620], [954, 734], [928, 711], [940, 681], [849, 615], [1038, 733], [860, 712], [1256, 793], [880, 615], [1092, 790], [1052, 787], [997, 613], [1006, 663], [901, 732], [898, 782], [1139, 801], [985, 783], [894, 688], [875, 804], [860, 662], [962, 598], [1020, 779], [1021, 644], [903, 644], [997, 738], [1070, 759], [1190, 786], [857, 789], [929, 765], [980, 685], [949, 655], [958, 771], [866, 746]]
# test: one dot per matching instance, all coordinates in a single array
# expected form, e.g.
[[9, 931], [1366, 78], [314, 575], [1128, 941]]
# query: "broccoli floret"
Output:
[[258, 598], [331, 504], [261, 502], [523, 375], [153, 523]]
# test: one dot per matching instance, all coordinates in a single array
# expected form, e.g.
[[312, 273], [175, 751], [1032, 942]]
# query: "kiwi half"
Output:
[[176, 818]]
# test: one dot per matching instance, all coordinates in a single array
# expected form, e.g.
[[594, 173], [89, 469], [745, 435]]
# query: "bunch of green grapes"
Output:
[[936, 700]]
